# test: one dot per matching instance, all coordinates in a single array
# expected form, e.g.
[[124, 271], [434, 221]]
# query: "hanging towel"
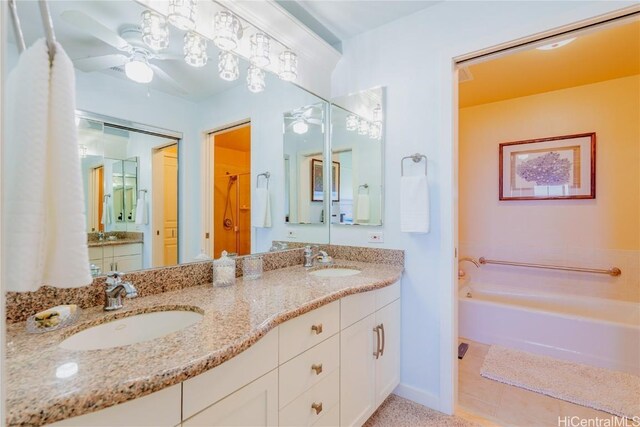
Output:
[[45, 240], [414, 204], [142, 212], [261, 209], [362, 208], [107, 213]]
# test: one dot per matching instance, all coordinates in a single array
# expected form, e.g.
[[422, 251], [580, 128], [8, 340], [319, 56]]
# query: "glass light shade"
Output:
[[195, 50], [182, 14], [255, 79], [227, 30], [352, 122], [377, 114], [260, 50], [138, 69], [375, 130], [363, 127], [228, 66], [288, 66], [82, 151], [155, 31], [300, 126]]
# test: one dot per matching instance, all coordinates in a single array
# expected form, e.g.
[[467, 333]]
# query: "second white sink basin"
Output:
[[335, 272], [131, 330]]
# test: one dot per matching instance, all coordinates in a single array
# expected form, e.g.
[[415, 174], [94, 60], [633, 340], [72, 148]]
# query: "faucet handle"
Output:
[[114, 277]]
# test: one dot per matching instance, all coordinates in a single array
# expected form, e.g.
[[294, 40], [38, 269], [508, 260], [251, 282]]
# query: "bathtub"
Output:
[[594, 331]]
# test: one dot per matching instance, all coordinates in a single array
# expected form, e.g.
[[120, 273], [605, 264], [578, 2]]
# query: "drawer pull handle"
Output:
[[377, 352], [317, 328], [317, 407], [317, 367], [382, 347]]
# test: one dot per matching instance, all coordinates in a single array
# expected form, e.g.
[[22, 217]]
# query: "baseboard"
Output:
[[422, 397]]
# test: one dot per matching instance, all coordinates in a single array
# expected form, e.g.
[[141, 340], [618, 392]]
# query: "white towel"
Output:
[[107, 213], [362, 208], [414, 204], [142, 212], [45, 240], [261, 209]]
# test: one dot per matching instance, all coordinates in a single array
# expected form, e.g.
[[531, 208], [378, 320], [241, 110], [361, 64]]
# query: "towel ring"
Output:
[[266, 175], [141, 191], [105, 197], [365, 186], [417, 158]]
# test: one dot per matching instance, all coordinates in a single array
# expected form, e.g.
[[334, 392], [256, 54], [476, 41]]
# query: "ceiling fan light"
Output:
[[255, 79], [363, 127], [195, 50], [288, 66], [260, 50], [228, 66], [155, 31], [138, 69], [182, 14], [227, 30], [300, 126], [352, 122]]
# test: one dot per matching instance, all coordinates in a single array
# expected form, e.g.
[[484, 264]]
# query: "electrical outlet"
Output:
[[291, 234], [376, 237]]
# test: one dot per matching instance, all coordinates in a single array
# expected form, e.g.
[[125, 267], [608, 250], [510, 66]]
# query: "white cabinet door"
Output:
[[256, 404], [128, 263], [357, 372], [388, 364]]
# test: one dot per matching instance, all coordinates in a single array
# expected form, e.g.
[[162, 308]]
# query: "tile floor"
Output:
[[492, 403]]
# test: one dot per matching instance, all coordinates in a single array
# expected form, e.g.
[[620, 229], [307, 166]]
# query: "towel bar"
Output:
[[417, 158], [613, 271]]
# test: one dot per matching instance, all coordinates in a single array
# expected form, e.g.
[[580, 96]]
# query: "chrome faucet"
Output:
[[100, 236], [461, 273], [115, 289], [323, 258], [309, 255]]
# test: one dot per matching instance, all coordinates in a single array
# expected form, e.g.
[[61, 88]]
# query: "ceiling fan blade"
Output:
[[86, 23], [314, 121], [97, 63], [168, 57], [167, 79]]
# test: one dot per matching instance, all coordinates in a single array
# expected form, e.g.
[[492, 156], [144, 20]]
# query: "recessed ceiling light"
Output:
[[556, 45]]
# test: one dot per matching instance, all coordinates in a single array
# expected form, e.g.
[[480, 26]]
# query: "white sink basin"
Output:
[[335, 272], [131, 330]]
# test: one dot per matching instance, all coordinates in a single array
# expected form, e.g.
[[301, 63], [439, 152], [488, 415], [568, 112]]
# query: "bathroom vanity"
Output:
[[291, 348]]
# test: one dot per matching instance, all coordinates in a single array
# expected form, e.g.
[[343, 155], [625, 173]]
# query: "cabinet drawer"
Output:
[[301, 413], [207, 388], [302, 333], [387, 295], [130, 249], [356, 307], [298, 374]]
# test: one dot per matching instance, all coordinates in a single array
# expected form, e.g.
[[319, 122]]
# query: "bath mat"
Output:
[[602, 389]]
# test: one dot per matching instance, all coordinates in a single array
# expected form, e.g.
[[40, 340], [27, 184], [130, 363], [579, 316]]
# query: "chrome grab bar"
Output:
[[613, 271]]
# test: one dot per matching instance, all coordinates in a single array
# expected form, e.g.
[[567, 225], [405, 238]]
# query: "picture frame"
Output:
[[317, 181], [559, 167]]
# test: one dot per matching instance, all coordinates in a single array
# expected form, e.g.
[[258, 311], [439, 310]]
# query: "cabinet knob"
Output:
[[317, 367], [317, 407], [317, 328]]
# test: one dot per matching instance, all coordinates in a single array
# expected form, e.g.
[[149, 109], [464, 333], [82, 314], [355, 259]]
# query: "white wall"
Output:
[[412, 57]]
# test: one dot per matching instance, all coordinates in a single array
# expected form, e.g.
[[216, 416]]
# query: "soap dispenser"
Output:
[[224, 271]]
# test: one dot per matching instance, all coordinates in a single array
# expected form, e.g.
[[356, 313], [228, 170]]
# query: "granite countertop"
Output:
[[234, 319], [107, 242]]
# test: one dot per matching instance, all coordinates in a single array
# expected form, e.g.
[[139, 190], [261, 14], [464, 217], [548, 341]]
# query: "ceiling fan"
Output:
[[134, 58], [300, 119]]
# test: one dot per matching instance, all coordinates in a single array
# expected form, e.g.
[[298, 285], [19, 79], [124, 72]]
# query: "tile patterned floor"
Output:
[[504, 405]]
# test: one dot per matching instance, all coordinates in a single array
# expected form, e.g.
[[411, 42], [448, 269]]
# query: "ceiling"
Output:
[[609, 53], [336, 21], [236, 139]]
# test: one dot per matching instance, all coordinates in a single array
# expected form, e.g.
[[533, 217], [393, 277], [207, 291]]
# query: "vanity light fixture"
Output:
[[288, 66], [195, 50], [363, 127], [182, 14], [138, 69], [556, 45], [155, 31], [82, 151], [377, 114], [300, 126], [227, 30], [228, 66], [352, 122], [255, 79], [375, 130], [260, 50]]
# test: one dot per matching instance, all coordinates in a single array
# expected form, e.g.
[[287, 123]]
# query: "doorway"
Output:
[[165, 206], [232, 190]]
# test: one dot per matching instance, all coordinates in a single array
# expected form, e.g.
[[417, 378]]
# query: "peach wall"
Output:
[[580, 232]]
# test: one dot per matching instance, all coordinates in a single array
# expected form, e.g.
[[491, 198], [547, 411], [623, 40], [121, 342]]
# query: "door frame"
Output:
[[449, 327], [157, 205]]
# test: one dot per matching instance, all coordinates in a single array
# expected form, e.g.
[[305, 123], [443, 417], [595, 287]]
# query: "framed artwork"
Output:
[[560, 167], [317, 181]]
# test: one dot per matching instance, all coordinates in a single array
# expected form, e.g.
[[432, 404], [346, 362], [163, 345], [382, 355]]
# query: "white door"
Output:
[[255, 405], [388, 364], [357, 372]]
